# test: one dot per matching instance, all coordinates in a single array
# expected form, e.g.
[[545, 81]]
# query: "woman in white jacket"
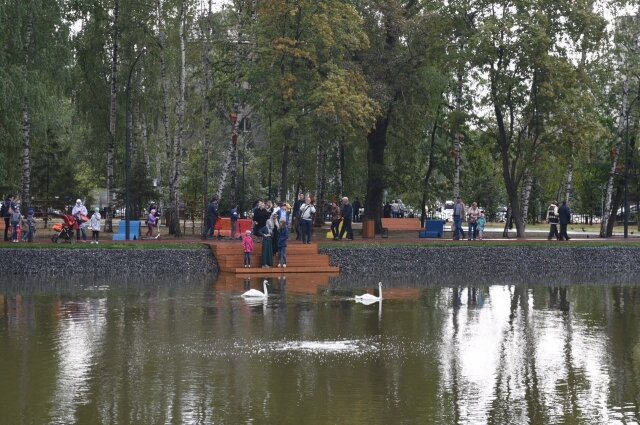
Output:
[[95, 225]]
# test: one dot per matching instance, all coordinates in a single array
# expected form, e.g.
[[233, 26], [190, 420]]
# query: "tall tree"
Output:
[[111, 142]]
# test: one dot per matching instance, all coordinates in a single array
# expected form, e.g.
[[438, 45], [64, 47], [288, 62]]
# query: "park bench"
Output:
[[400, 224], [223, 227]]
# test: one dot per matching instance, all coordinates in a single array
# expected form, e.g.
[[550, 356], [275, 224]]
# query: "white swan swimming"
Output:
[[368, 298], [254, 293]]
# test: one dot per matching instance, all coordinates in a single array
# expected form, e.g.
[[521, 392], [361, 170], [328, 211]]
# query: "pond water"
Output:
[[197, 352]]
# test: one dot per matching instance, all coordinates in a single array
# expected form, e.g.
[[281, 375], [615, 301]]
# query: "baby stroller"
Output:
[[64, 230]]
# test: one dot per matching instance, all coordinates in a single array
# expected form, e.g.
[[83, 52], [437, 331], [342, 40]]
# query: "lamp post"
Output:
[[127, 153]]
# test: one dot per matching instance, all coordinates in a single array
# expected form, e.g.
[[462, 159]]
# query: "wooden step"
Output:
[[291, 262], [301, 258], [304, 283], [232, 248], [280, 270]]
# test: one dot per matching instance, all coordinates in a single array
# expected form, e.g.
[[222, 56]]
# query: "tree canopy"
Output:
[[507, 103]]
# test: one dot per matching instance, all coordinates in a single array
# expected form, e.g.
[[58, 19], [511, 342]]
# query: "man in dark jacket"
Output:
[[211, 217], [347, 216], [356, 211], [565, 218], [296, 216], [7, 209]]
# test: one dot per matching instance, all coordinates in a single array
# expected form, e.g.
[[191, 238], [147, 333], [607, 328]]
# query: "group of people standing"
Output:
[[271, 225], [342, 215], [557, 216], [15, 223], [475, 218]]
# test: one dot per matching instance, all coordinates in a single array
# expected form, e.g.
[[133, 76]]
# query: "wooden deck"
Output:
[[301, 258], [292, 283]]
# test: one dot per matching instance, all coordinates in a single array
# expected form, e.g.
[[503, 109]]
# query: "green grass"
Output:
[[103, 245], [484, 244]]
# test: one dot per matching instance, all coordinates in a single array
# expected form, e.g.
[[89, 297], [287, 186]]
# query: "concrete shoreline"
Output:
[[484, 262]]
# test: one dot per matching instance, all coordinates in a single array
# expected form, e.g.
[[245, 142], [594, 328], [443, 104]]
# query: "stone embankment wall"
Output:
[[107, 262], [489, 264], [486, 264]]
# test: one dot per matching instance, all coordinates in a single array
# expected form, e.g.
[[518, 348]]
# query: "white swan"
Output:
[[254, 293], [368, 298]]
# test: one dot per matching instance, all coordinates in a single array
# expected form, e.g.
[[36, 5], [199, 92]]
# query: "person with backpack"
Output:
[[553, 219], [5, 212]]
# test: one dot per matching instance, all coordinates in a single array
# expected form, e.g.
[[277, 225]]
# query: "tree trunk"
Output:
[[615, 206], [341, 165], [504, 143], [164, 85], [526, 195], [321, 162], [427, 176], [569, 180], [239, 111], [176, 160], [26, 158], [145, 145], [225, 169], [377, 142], [615, 154], [26, 118], [206, 119], [457, 135], [111, 146], [284, 166]]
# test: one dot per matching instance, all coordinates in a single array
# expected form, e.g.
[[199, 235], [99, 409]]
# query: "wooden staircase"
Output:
[[290, 283], [301, 258]]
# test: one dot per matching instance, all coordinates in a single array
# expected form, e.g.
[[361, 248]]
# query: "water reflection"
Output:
[[197, 352]]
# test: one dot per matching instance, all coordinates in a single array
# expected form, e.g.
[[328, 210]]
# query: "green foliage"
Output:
[[315, 77]]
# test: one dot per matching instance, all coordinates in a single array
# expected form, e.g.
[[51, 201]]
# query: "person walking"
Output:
[[307, 210], [152, 223], [5, 212], [211, 217], [458, 216], [553, 218], [472, 220], [347, 215], [335, 220], [565, 218], [95, 225]]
